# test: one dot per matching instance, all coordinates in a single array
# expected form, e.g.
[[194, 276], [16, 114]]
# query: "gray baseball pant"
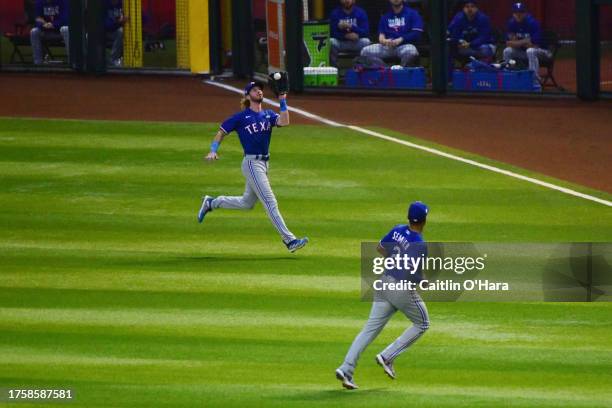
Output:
[[36, 35], [345, 45], [483, 52], [117, 48], [257, 187], [532, 55], [407, 53], [383, 308]]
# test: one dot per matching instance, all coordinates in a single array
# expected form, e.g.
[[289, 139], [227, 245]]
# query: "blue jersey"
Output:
[[357, 19], [408, 25], [402, 240], [52, 11], [477, 32], [528, 28], [254, 129], [114, 11]]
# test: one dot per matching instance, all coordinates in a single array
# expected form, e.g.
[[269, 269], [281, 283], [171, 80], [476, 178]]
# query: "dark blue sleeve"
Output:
[[535, 33], [109, 21], [334, 19], [455, 27], [510, 29], [415, 28], [63, 16], [38, 9], [230, 124], [382, 26], [363, 25], [484, 33]]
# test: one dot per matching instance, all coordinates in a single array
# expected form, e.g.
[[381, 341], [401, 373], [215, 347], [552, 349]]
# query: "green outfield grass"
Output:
[[109, 285]]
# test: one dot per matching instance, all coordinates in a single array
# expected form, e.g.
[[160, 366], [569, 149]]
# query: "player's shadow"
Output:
[[334, 395]]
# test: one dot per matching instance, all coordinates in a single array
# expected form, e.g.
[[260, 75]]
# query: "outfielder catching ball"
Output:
[[254, 127], [402, 239]]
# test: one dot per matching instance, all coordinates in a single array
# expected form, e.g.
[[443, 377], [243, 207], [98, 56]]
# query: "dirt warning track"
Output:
[[563, 138]]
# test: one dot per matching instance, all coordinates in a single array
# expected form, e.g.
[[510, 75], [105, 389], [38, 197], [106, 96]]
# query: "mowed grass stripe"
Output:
[[206, 321], [109, 284]]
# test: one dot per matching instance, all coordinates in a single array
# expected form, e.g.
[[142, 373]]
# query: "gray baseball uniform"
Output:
[[255, 172], [532, 55], [255, 131], [36, 37], [400, 240], [408, 302], [405, 24]]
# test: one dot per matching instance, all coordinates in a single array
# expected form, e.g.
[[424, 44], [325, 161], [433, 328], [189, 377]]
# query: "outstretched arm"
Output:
[[283, 120], [214, 146]]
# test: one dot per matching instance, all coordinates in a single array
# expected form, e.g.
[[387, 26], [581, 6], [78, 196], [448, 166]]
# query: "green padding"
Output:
[[316, 39]]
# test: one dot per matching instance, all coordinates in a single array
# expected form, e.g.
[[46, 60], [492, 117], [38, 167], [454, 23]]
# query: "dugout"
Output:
[[247, 38], [158, 35], [570, 52]]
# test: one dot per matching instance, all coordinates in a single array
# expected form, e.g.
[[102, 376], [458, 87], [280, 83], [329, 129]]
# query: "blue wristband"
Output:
[[283, 105], [214, 146]]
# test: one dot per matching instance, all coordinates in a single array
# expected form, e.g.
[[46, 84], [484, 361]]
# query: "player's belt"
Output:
[[264, 157]]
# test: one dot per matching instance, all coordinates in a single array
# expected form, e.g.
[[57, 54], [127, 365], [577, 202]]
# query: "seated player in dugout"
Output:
[[524, 39], [113, 24], [470, 34], [51, 22], [349, 28], [398, 31]]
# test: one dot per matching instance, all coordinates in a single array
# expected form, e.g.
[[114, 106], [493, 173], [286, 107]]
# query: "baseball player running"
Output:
[[254, 127], [402, 239]]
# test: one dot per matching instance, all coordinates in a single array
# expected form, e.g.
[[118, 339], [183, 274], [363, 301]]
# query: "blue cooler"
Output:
[[386, 78], [516, 81]]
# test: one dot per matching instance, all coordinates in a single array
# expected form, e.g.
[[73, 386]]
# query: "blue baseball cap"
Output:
[[519, 7], [252, 85], [470, 1], [417, 212]]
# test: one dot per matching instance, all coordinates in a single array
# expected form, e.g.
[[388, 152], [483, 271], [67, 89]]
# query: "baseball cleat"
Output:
[[347, 382], [386, 365], [205, 208], [297, 244]]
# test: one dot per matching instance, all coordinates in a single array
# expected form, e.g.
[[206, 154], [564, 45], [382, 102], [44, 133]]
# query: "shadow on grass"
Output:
[[338, 395], [226, 258], [200, 261]]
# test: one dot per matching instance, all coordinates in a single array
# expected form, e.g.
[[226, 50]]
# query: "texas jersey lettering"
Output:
[[396, 23], [51, 12], [254, 129]]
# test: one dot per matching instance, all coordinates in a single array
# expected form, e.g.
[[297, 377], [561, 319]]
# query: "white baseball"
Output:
[[512, 62], [277, 76]]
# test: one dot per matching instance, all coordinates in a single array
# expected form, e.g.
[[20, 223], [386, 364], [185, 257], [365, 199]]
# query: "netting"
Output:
[[132, 37], [605, 31], [182, 33], [557, 21]]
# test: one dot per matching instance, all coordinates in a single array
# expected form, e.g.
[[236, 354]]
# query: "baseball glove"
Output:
[[279, 86]]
